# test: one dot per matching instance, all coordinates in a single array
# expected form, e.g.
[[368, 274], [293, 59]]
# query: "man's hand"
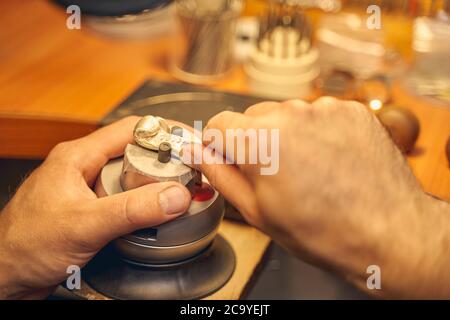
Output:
[[344, 197], [55, 219]]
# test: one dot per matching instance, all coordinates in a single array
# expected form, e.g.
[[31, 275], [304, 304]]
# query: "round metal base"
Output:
[[197, 277]]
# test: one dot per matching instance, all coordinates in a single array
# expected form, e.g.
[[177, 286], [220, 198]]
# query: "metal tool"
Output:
[[180, 259], [283, 64], [150, 132], [203, 51], [285, 31], [136, 19]]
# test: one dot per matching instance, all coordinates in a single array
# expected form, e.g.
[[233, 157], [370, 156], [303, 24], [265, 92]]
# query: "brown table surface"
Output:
[[57, 84]]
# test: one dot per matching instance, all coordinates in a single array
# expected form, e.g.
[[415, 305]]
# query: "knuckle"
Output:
[[132, 118], [66, 153], [262, 107], [63, 150], [327, 101], [293, 107], [296, 103], [253, 216], [225, 114], [357, 106], [296, 109], [358, 109], [213, 120], [61, 147], [139, 211], [126, 208], [220, 119]]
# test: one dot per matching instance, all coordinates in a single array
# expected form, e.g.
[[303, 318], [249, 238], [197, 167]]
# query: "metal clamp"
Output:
[[150, 132]]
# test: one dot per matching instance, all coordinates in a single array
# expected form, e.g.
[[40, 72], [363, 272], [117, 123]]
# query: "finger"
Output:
[[262, 108], [107, 143], [228, 180], [110, 217], [185, 127], [90, 153], [226, 133], [229, 119], [327, 102], [295, 103], [225, 178]]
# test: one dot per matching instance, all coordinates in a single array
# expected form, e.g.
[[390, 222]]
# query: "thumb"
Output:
[[146, 206]]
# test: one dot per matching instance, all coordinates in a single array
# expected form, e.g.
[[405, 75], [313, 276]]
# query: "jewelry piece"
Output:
[[150, 132]]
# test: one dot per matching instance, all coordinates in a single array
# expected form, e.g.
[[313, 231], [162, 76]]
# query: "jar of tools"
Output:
[[203, 47]]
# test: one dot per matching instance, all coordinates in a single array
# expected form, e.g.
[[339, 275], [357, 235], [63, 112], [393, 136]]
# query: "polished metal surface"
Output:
[[151, 132], [180, 259], [183, 103], [148, 126], [191, 279], [205, 33], [158, 255], [180, 102], [141, 166], [169, 242]]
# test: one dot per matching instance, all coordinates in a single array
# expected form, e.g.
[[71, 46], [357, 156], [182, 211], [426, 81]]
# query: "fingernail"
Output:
[[173, 200]]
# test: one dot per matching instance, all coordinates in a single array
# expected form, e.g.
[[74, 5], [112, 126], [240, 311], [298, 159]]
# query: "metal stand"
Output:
[[190, 279]]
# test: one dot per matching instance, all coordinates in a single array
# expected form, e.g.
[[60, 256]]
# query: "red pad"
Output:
[[203, 193]]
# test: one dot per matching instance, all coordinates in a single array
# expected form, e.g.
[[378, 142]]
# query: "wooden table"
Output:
[[57, 84]]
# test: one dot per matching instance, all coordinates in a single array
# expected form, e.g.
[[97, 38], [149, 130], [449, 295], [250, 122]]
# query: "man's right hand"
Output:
[[344, 197]]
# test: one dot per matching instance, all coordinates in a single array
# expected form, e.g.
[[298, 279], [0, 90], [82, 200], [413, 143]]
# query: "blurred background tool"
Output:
[[402, 125], [430, 73], [411, 45], [284, 63], [133, 19], [337, 83], [375, 91], [347, 44], [203, 48]]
